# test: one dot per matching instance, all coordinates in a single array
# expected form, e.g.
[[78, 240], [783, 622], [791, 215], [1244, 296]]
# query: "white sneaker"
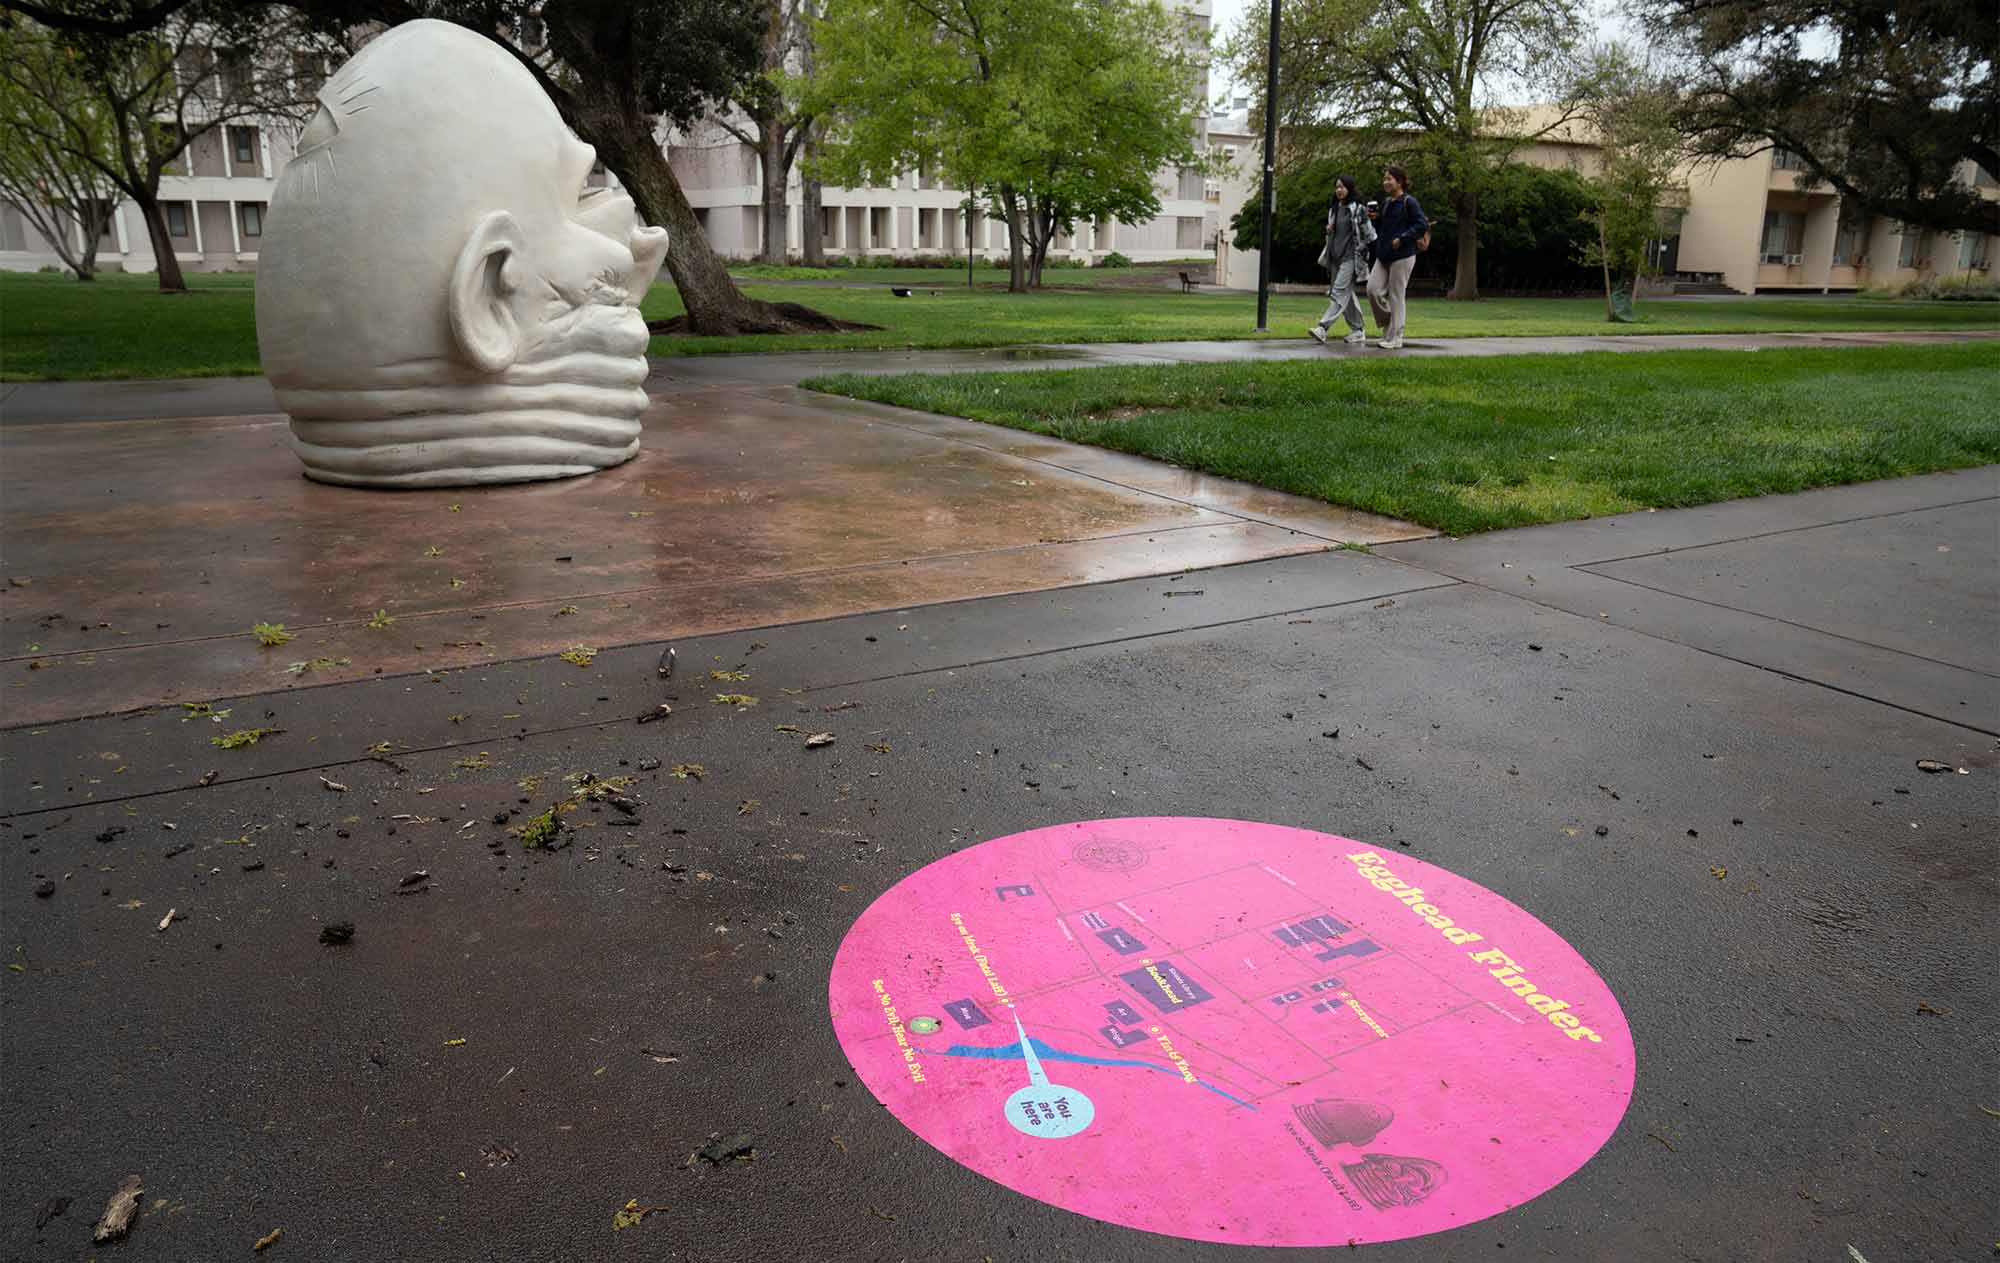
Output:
[[1317, 334], [1389, 344], [1357, 338]]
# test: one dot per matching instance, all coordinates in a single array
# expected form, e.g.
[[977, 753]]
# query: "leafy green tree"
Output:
[[769, 117], [1066, 110], [1422, 80], [52, 119], [1887, 101], [153, 94], [1632, 113]]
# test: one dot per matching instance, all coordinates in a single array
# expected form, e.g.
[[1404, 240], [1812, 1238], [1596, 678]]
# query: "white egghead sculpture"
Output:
[[440, 299]]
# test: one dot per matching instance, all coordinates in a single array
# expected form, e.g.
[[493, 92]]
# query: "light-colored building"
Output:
[[917, 214], [214, 202], [1748, 222]]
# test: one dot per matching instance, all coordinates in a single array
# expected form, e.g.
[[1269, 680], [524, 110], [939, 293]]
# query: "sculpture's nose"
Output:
[[649, 252]]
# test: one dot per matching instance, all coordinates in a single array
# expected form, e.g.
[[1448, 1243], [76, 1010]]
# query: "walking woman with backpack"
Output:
[[1347, 234], [1401, 230]]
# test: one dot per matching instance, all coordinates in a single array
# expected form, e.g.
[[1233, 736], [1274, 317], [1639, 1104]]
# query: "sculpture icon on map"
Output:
[[441, 299], [1338, 1122], [1389, 1181]]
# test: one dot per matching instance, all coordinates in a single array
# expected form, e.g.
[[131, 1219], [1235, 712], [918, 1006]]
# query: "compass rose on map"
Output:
[[1108, 855]]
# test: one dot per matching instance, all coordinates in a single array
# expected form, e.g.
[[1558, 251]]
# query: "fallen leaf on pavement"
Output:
[[818, 739], [1719, 873], [747, 806], [633, 1214], [454, 1043], [243, 737], [734, 699], [268, 1240], [168, 919], [335, 786], [118, 1212], [690, 771]]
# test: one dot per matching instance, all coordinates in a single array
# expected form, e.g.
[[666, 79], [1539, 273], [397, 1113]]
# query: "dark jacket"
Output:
[[1347, 230], [1396, 232]]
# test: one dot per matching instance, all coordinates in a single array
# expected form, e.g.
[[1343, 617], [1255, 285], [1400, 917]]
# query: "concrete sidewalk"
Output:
[[140, 552], [39, 403], [1687, 741]]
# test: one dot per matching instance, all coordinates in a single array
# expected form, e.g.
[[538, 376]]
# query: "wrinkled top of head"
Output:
[[427, 129]]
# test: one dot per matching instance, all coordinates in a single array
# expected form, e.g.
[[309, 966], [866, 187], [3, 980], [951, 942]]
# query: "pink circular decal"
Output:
[[1232, 1031]]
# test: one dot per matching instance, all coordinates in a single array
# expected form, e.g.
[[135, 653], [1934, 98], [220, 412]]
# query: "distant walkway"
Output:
[[788, 369], [34, 403]]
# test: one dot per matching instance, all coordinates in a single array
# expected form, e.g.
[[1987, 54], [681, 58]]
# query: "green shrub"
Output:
[[1114, 260], [1531, 229], [1962, 289]]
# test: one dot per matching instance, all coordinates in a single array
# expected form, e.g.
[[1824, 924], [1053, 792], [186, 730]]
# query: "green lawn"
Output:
[[121, 326], [1465, 445]]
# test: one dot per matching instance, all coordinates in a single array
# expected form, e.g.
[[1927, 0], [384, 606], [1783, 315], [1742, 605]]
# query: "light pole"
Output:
[[1270, 173]]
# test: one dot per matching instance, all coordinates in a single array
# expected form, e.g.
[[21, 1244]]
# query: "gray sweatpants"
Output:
[[1386, 283], [1347, 278]]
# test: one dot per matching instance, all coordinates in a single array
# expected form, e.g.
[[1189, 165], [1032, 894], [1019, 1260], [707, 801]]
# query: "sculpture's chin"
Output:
[[572, 408]]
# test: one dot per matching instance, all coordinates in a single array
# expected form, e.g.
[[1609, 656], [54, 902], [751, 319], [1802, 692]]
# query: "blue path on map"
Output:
[[1012, 1052]]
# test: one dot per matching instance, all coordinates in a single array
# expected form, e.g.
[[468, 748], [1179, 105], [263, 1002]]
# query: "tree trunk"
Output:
[[812, 247], [1017, 264], [715, 307], [1604, 256], [171, 280], [1465, 286], [771, 157]]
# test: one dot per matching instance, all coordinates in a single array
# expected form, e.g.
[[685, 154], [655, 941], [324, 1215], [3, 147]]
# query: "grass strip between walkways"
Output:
[[121, 326], [1477, 444]]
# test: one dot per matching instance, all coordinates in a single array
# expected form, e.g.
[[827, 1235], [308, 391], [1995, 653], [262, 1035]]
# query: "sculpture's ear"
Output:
[[483, 282]]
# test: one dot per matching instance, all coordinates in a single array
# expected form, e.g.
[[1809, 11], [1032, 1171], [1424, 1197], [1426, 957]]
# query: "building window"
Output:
[[243, 145], [1909, 256], [193, 66], [1786, 160], [1850, 243], [253, 218], [1972, 252], [1784, 236], [238, 74], [177, 218]]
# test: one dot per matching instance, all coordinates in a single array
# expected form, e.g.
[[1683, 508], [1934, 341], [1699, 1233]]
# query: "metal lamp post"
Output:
[[1270, 173]]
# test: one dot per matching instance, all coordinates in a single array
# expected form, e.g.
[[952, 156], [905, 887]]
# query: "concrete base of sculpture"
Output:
[[442, 300]]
